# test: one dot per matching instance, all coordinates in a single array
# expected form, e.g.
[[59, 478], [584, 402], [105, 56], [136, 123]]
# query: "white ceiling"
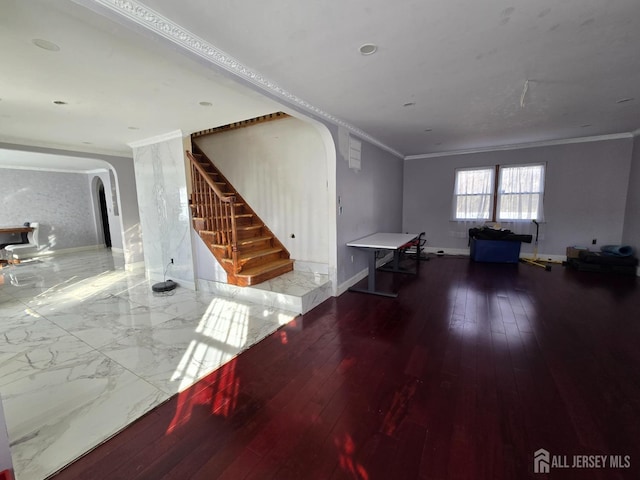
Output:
[[462, 65]]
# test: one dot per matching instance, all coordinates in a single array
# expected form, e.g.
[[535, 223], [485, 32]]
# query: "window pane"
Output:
[[473, 181], [520, 192], [473, 206], [521, 179], [519, 206], [473, 194]]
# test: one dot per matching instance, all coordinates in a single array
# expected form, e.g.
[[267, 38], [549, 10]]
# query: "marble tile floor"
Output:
[[88, 348]]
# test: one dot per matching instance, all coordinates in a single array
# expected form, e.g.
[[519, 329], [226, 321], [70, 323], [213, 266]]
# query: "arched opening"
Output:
[[101, 211], [104, 216]]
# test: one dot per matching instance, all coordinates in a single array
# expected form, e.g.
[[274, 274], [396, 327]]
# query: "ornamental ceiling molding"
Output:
[[147, 18]]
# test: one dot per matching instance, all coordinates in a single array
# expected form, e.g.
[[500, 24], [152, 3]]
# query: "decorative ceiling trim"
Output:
[[164, 137], [596, 138], [145, 17], [54, 170]]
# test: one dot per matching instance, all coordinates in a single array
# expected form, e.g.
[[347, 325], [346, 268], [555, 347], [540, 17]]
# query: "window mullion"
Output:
[[494, 212]]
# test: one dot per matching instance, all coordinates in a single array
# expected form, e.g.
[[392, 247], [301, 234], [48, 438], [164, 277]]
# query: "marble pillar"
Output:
[[163, 203]]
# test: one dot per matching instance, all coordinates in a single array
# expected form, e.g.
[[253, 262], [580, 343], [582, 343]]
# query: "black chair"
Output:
[[414, 249]]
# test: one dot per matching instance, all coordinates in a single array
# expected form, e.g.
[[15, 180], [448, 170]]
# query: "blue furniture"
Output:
[[496, 251]]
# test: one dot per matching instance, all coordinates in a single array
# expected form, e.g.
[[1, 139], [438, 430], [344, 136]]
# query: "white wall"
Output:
[[585, 193], [280, 169]]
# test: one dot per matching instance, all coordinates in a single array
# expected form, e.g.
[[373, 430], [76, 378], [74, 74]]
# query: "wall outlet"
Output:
[[172, 260], [351, 258], [594, 241]]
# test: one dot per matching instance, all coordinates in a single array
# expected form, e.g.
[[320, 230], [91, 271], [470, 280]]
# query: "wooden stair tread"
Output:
[[250, 240], [243, 257], [265, 268], [257, 226]]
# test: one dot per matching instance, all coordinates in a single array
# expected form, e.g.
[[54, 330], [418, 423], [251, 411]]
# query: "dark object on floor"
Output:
[[486, 233], [617, 250], [600, 262], [164, 286], [495, 251]]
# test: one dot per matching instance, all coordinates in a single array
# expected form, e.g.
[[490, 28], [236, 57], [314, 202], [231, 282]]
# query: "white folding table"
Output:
[[382, 241]]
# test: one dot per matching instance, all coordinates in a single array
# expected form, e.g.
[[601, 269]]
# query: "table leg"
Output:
[[371, 281], [394, 265]]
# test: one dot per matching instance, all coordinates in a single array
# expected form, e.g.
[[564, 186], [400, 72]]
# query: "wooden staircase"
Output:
[[243, 245]]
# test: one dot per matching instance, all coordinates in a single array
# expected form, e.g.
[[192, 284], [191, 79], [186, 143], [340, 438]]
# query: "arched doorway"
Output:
[[102, 213]]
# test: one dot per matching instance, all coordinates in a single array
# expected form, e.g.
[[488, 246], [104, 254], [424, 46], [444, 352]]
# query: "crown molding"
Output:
[[151, 20], [53, 170], [163, 137], [520, 146]]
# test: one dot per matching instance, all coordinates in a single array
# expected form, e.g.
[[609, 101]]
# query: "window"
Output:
[[520, 192], [516, 196], [473, 194]]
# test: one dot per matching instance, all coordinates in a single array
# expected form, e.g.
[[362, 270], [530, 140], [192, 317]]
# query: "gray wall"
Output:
[[585, 194], [371, 201], [60, 202], [631, 233]]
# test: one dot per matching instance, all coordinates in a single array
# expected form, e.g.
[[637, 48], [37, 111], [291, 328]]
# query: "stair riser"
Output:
[[252, 247], [254, 262], [256, 279], [245, 234]]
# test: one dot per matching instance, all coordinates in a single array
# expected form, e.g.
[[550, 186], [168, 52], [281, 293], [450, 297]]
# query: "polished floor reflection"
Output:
[[471, 370], [88, 348]]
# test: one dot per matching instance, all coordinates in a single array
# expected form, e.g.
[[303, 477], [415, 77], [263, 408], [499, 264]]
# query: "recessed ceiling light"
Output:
[[409, 104], [624, 100], [88, 143], [368, 49], [59, 102], [133, 128], [45, 44], [428, 129], [585, 125], [206, 104]]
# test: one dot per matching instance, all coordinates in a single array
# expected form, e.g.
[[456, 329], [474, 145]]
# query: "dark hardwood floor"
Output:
[[465, 375]]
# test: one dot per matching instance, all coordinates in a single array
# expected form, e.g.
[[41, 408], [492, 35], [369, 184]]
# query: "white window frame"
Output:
[[501, 193], [457, 195], [497, 193]]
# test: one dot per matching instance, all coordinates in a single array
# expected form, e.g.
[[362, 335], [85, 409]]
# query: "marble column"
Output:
[[163, 203]]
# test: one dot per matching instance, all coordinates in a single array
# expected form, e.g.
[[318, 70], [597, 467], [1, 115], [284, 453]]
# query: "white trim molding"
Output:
[[498, 148], [151, 20], [156, 139]]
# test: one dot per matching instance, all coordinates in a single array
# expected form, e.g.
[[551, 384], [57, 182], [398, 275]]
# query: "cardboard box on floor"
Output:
[[574, 252]]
